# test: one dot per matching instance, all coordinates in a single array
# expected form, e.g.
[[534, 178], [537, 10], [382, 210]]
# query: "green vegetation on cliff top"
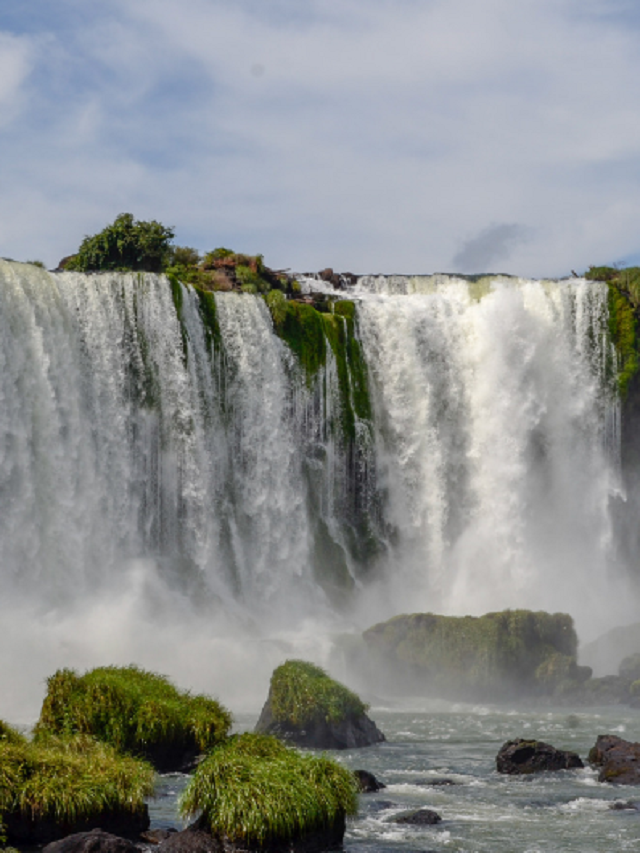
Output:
[[69, 779], [301, 692], [131, 709], [624, 311], [254, 790]]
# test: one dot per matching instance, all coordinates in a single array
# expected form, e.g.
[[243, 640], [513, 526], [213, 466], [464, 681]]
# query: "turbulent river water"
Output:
[[442, 757]]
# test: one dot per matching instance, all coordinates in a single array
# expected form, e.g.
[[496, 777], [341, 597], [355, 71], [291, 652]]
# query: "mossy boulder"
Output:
[[307, 707], [254, 793], [522, 756], [135, 711], [58, 786], [505, 653]]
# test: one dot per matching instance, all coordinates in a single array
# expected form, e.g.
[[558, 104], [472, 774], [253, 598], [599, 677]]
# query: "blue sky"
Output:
[[366, 135]]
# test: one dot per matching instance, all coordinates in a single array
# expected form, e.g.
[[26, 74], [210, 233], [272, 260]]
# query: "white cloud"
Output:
[[377, 136], [15, 64]]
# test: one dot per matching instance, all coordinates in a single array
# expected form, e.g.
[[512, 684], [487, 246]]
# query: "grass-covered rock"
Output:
[[255, 793], [307, 707], [513, 651], [135, 711], [56, 786]]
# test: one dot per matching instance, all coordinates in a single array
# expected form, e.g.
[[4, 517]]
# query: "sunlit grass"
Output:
[[254, 789], [301, 691], [131, 709]]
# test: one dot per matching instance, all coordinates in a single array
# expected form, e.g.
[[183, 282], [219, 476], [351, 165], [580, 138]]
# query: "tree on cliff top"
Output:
[[126, 244]]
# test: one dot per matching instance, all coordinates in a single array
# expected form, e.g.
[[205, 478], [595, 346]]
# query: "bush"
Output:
[[301, 692], [135, 711], [67, 781], [254, 790], [127, 244]]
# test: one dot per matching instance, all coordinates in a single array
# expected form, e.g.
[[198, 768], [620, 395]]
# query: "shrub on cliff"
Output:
[[134, 711], [51, 788], [126, 244], [256, 792]]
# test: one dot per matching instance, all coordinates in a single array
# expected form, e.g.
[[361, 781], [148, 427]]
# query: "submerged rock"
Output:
[[367, 782], [618, 759], [418, 817], [308, 708], [522, 756]]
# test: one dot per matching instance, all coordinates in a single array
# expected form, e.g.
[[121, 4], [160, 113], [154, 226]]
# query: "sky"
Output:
[[370, 136]]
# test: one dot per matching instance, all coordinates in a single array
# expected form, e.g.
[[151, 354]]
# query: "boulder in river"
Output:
[[522, 756], [618, 759]]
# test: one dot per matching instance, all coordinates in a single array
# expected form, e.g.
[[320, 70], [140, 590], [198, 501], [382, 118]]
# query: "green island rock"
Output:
[[134, 711], [55, 786], [506, 653], [254, 793], [307, 707]]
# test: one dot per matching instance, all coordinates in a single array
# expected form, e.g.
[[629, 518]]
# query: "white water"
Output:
[[184, 503]]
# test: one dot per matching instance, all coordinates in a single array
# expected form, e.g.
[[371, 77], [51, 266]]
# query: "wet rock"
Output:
[[156, 836], [367, 782], [532, 756], [25, 831], [95, 841], [418, 817], [629, 805], [191, 840], [618, 759]]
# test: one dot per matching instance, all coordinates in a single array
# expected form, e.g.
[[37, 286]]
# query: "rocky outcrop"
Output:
[[306, 707], [95, 841], [618, 759], [522, 756], [508, 653]]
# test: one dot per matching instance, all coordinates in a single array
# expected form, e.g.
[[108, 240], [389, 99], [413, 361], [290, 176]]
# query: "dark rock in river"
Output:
[[418, 817], [618, 759], [532, 756], [95, 841], [367, 782]]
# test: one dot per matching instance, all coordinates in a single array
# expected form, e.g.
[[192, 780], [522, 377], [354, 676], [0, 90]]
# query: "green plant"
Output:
[[126, 244], [255, 790], [133, 710], [67, 780], [301, 691]]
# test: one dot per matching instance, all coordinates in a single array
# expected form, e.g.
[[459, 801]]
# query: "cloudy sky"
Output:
[[366, 135]]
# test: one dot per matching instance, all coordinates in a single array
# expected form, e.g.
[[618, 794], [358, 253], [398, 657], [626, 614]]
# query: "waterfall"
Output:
[[172, 476]]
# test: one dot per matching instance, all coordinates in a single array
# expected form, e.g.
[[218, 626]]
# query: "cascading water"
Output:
[[173, 479]]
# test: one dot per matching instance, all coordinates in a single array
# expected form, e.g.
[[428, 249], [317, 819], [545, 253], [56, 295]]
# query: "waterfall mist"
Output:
[[176, 492]]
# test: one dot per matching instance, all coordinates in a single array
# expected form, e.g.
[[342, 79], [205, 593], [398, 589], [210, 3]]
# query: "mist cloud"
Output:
[[491, 246]]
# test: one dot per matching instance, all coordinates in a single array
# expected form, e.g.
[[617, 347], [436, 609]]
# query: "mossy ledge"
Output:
[[56, 786], [256, 794], [307, 707], [135, 711], [511, 652]]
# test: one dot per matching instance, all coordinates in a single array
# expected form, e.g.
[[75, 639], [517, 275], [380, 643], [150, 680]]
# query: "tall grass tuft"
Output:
[[301, 691], [257, 791], [133, 710], [70, 780]]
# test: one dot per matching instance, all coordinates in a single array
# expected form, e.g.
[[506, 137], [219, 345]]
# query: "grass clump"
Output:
[[133, 710], [256, 791], [301, 692], [69, 780]]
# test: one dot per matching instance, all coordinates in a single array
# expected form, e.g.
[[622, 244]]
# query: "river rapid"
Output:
[[442, 757]]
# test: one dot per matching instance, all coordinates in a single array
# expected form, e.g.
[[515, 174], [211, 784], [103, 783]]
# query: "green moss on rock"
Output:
[[509, 650], [258, 793], [134, 711], [301, 691]]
